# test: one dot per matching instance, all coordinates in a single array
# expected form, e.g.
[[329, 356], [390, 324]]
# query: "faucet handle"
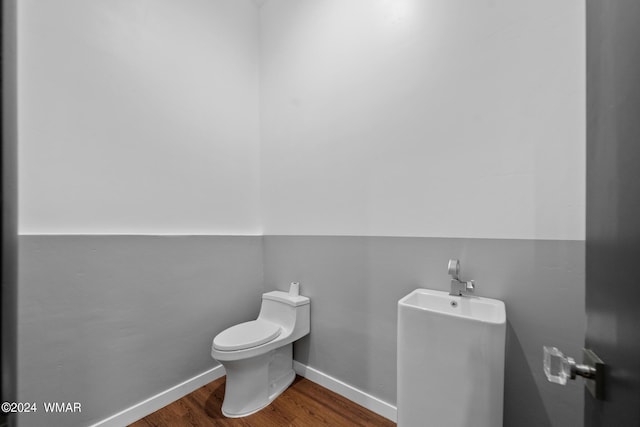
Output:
[[470, 285]]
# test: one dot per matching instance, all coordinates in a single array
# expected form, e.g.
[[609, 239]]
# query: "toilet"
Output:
[[258, 355]]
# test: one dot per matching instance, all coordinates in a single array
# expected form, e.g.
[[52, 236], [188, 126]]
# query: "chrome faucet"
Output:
[[459, 287]]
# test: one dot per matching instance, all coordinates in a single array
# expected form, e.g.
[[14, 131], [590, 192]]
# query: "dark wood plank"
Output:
[[341, 407], [303, 404]]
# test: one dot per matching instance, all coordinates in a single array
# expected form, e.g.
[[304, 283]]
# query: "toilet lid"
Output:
[[246, 335]]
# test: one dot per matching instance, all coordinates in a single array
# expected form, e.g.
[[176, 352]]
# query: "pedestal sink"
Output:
[[450, 360]]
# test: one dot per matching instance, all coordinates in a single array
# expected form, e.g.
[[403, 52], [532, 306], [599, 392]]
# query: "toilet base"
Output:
[[284, 385], [254, 383]]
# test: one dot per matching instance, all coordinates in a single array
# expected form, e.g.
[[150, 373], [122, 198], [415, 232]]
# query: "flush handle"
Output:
[[559, 368], [294, 289]]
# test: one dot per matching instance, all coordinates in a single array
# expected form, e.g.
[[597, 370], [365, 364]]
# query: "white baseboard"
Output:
[[360, 397], [160, 400]]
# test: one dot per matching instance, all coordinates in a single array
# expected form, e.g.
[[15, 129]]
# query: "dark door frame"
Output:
[[8, 123], [613, 208]]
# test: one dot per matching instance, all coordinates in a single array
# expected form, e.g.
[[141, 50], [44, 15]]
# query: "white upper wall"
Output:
[[138, 116], [377, 117], [423, 118]]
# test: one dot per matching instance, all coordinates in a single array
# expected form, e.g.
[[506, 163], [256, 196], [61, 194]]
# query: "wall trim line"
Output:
[[139, 234], [358, 396], [160, 400], [263, 235]]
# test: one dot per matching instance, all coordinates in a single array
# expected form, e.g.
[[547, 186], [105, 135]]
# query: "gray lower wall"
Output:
[[109, 321], [355, 283], [112, 320]]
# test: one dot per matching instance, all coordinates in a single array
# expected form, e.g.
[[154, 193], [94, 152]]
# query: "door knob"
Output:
[[559, 368]]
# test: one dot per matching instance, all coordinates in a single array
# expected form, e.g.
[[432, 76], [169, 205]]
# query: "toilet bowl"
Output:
[[258, 355]]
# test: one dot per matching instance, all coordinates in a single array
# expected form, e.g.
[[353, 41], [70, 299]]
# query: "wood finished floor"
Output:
[[303, 404]]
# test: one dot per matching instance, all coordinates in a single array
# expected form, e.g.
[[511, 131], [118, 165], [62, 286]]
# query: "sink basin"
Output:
[[469, 307], [450, 360]]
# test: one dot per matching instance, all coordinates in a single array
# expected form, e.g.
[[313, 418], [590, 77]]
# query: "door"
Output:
[[613, 208], [9, 188]]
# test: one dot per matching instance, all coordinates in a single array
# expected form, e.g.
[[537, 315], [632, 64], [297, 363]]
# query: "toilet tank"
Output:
[[291, 312]]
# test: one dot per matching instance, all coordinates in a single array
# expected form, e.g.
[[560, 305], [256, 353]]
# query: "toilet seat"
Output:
[[246, 335]]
